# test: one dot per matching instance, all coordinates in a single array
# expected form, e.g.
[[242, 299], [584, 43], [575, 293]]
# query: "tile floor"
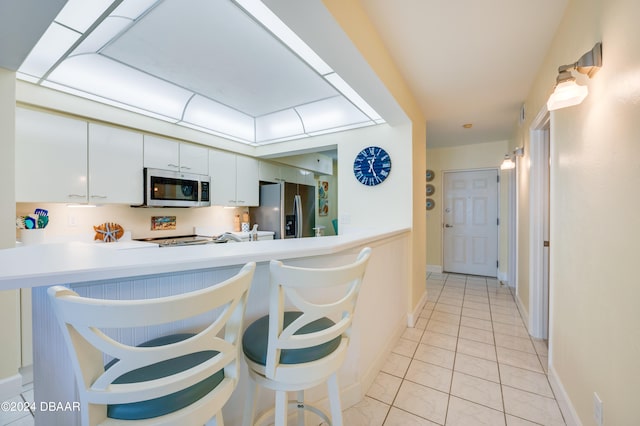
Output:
[[19, 418], [469, 361]]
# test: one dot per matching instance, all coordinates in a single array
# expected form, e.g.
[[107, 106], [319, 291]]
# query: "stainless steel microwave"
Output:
[[166, 188]]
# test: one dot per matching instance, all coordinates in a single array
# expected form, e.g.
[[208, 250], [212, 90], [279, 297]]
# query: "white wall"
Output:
[[595, 225]]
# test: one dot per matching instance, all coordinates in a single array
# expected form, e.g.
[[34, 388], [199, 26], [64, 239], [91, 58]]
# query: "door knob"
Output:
[[448, 226]]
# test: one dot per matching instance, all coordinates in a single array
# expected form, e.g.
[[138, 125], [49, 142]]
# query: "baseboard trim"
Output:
[[504, 277], [10, 387], [413, 316], [523, 312], [568, 411], [434, 268]]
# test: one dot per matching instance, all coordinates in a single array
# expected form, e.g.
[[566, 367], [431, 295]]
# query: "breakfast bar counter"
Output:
[[132, 270]]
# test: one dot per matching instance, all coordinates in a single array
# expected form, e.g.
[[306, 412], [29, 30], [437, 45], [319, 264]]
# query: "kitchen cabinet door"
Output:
[[194, 159], [161, 153], [51, 158], [269, 172], [115, 165], [222, 170], [234, 179], [247, 185]]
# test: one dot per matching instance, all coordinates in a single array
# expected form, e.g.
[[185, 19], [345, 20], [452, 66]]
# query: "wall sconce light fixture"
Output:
[[567, 92], [508, 162]]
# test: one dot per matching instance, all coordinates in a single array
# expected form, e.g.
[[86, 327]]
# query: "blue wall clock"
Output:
[[372, 166]]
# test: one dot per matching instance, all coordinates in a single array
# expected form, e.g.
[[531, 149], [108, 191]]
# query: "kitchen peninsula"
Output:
[[105, 271]]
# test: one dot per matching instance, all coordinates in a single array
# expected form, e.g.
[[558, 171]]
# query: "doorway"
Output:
[[470, 228], [540, 245]]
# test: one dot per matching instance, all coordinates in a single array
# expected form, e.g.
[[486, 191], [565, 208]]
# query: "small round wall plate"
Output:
[[430, 190], [430, 204], [430, 175]]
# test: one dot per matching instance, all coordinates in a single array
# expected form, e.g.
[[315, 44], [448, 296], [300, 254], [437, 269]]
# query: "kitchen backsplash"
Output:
[[65, 221]]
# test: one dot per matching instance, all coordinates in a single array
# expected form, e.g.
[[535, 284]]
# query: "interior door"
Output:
[[471, 222]]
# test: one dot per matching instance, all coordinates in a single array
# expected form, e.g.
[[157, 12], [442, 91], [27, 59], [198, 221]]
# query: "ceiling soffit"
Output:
[[204, 64]]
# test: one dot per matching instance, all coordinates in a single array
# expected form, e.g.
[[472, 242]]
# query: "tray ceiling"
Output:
[[206, 64]]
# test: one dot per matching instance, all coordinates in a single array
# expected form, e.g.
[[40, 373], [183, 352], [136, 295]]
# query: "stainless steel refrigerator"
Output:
[[288, 209]]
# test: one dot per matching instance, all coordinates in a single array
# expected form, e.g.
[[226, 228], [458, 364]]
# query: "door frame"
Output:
[[442, 207], [538, 306]]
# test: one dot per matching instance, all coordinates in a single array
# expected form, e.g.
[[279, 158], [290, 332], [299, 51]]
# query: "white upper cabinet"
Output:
[[194, 159], [51, 158], [167, 154], [115, 165], [234, 179], [247, 182], [274, 172]]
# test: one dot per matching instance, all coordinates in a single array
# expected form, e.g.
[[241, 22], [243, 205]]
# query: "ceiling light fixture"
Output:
[[467, 126], [567, 92]]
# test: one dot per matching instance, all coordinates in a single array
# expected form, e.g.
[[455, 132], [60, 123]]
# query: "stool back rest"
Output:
[[83, 318], [285, 283]]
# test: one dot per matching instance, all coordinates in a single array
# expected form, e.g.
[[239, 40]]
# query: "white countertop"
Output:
[[62, 263]]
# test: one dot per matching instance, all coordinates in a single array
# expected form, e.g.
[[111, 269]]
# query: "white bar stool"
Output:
[[296, 350], [182, 379]]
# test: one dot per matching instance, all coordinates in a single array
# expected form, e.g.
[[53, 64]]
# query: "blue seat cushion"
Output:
[[255, 338], [169, 403]]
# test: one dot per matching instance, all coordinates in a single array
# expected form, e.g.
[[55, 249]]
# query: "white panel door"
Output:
[[471, 222]]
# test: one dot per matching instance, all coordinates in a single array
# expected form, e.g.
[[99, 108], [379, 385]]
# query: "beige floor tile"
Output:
[[517, 421], [532, 407], [525, 380], [405, 347], [475, 313], [443, 327], [435, 355], [476, 323], [480, 292], [476, 299], [476, 334], [510, 329], [421, 324], [399, 417], [506, 319], [541, 347], [477, 390], [384, 388], [368, 412], [517, 343], [451, 299], [477, 306], [477, 349], [440, 340], [430, 375], [445, 317], [477, 367], [396, 365], [544, 361], [426, 313], [519, 359], [466, 413], [26, 420], [449, 309], [412, 334], [422, 401]]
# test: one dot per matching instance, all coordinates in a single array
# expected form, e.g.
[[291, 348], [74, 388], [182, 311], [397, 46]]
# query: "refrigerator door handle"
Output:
[[297, 207]]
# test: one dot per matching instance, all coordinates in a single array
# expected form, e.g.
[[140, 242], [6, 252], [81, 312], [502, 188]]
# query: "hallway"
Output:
[[468, 362]]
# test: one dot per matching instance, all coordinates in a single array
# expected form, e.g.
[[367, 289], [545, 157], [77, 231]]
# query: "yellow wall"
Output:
[[595, 225], [465, 157], [9, 300], [354, 21]]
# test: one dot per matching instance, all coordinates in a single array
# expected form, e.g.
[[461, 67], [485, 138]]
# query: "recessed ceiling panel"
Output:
[[213, 48]]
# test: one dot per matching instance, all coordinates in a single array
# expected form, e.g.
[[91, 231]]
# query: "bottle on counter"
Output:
[[236, 223], [253, 235]]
